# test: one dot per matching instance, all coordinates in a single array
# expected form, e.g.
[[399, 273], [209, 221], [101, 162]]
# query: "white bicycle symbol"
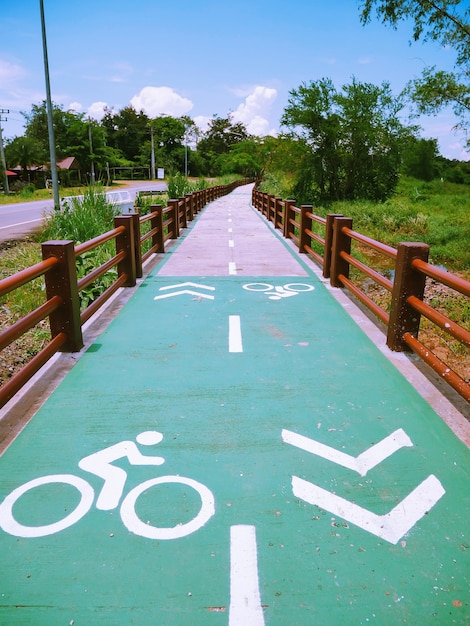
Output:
[[276, 292], [100, 464]]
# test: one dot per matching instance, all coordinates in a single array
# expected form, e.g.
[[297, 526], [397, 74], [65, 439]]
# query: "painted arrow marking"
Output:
[[190, 292], [362, 463], [390, 527], [197, 285]]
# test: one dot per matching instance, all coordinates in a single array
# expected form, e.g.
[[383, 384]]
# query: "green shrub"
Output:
[[81, 218]]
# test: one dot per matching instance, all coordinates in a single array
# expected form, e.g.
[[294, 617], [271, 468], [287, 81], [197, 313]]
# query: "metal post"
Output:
[[50, 125], [2, 153]]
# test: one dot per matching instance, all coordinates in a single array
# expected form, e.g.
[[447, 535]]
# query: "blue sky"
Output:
[[203, 57]]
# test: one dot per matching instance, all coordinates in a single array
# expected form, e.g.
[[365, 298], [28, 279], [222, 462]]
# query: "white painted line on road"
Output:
[[21, 223], [232, 268], [235, 343], [245, 599], [230, 230], [231, 243]]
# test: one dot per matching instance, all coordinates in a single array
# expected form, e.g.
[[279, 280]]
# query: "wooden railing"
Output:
[[59, 271], [328, 241]]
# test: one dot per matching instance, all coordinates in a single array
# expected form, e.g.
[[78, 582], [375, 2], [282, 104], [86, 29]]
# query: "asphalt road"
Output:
[[22, 219]]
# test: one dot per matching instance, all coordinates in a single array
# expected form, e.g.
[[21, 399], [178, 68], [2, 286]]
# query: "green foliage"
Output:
[[447, 23], [179, 186], [81, 218], [433, 212], [351, 140]]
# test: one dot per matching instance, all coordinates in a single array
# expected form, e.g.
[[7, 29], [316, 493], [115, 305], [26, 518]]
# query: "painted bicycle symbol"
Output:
[[100, 464], [276, 292]]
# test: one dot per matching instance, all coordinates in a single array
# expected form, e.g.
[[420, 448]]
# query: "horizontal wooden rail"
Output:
[[411, 268], [26, 276], [450, 377], [58, 268]]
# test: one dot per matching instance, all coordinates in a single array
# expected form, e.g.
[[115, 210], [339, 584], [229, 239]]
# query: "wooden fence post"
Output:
[[156, 224], [330, 218], [182, 203], [137, 245], [305, 223], [341, 243], [287, 226], [62, 281], [125, 243], [173, 204], [407, 282]]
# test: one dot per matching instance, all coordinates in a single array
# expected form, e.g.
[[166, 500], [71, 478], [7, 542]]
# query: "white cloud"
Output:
[[157, 100], [10, 73], [202, 122], [75, 106], [254, 111], [96, 110]]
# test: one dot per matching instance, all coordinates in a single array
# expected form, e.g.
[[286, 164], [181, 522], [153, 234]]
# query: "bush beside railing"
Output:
[[58, 269], [411, 268]]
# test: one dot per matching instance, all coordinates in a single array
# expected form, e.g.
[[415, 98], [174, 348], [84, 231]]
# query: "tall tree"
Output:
[[218, 139], [25, 152], [442, 21], [351, 140]]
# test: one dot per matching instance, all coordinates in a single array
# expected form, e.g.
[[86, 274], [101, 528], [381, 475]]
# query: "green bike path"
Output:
[[233, 450]]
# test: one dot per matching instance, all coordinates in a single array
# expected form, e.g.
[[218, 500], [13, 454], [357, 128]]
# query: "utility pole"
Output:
[[91, 153], [152, 153], [50, 124], [2, 152]]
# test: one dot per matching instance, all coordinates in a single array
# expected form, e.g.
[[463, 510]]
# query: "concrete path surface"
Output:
[[234, 450]]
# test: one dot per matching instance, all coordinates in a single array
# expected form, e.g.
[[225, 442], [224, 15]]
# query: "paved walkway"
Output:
[[234, 450]]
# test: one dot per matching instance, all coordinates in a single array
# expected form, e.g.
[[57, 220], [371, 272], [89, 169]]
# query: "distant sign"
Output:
[[160, 173]]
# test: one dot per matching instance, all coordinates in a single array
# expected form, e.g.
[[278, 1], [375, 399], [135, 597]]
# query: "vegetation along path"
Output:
[[233, 449]]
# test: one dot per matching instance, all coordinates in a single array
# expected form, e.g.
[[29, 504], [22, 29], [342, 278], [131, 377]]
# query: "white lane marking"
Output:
[[231, 243], [363, 462], [232, 268], [230, 230], [391, 526], [235, 343], [39, 219], [245, 599]]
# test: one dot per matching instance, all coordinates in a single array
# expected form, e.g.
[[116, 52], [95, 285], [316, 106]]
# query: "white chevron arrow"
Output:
[[390, 527], [362, 463], [190, 292], [197, 285], [182, 292]]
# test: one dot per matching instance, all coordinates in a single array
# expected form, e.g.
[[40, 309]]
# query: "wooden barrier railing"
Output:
[[407, 290], [58, 269]]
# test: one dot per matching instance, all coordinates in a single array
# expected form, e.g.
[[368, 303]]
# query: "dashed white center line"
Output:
[[232, 268], [231, 243], [245, 599], [235, 343]]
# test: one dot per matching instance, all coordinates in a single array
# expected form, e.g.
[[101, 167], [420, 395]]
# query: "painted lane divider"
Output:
[[235, 343], [391, 526], [186, 291], [232, 268], [245, 599], [360, 464]]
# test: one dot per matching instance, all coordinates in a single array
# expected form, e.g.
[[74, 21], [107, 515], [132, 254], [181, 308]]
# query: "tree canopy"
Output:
[[352, 139], [446, 22]]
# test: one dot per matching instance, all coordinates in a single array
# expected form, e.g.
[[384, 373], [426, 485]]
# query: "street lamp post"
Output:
[[50, 125]]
